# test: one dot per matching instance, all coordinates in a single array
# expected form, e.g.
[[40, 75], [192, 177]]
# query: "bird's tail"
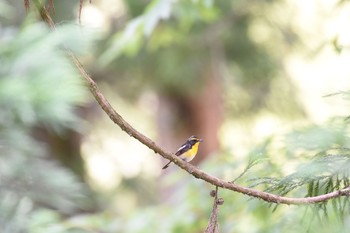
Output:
[[166, 165]]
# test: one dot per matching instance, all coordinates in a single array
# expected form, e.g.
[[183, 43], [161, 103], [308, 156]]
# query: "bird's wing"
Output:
[[183, 149]]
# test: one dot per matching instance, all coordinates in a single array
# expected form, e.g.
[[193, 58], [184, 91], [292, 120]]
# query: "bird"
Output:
[[188, 150]]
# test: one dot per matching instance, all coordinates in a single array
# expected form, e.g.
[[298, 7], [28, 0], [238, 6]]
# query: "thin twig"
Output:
[[195, 172], [213, 224], [26, 5], [81, 2]]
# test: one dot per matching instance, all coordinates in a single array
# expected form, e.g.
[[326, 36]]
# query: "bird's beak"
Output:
[[201, 140]]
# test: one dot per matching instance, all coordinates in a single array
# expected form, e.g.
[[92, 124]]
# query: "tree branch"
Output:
[[213, 224], [195, 172]]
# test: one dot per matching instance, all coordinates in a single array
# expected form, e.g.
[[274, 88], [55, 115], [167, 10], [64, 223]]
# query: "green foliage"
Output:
[[326, 172], [194, 39], [169, 46], [172, 57], [318, 138], [25, 86], [38, 88], [129, 41], [257, 156]]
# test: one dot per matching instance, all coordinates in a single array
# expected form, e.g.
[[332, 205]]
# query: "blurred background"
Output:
[[263, 81]]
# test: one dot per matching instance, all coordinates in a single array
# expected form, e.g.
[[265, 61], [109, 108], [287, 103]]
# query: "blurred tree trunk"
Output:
[[200, 114], [64, 147]]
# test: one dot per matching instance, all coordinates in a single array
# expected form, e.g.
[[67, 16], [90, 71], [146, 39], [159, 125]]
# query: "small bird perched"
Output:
[[188, 150]]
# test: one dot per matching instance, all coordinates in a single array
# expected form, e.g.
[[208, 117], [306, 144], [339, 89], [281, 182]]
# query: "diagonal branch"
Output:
[[195, 172]]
